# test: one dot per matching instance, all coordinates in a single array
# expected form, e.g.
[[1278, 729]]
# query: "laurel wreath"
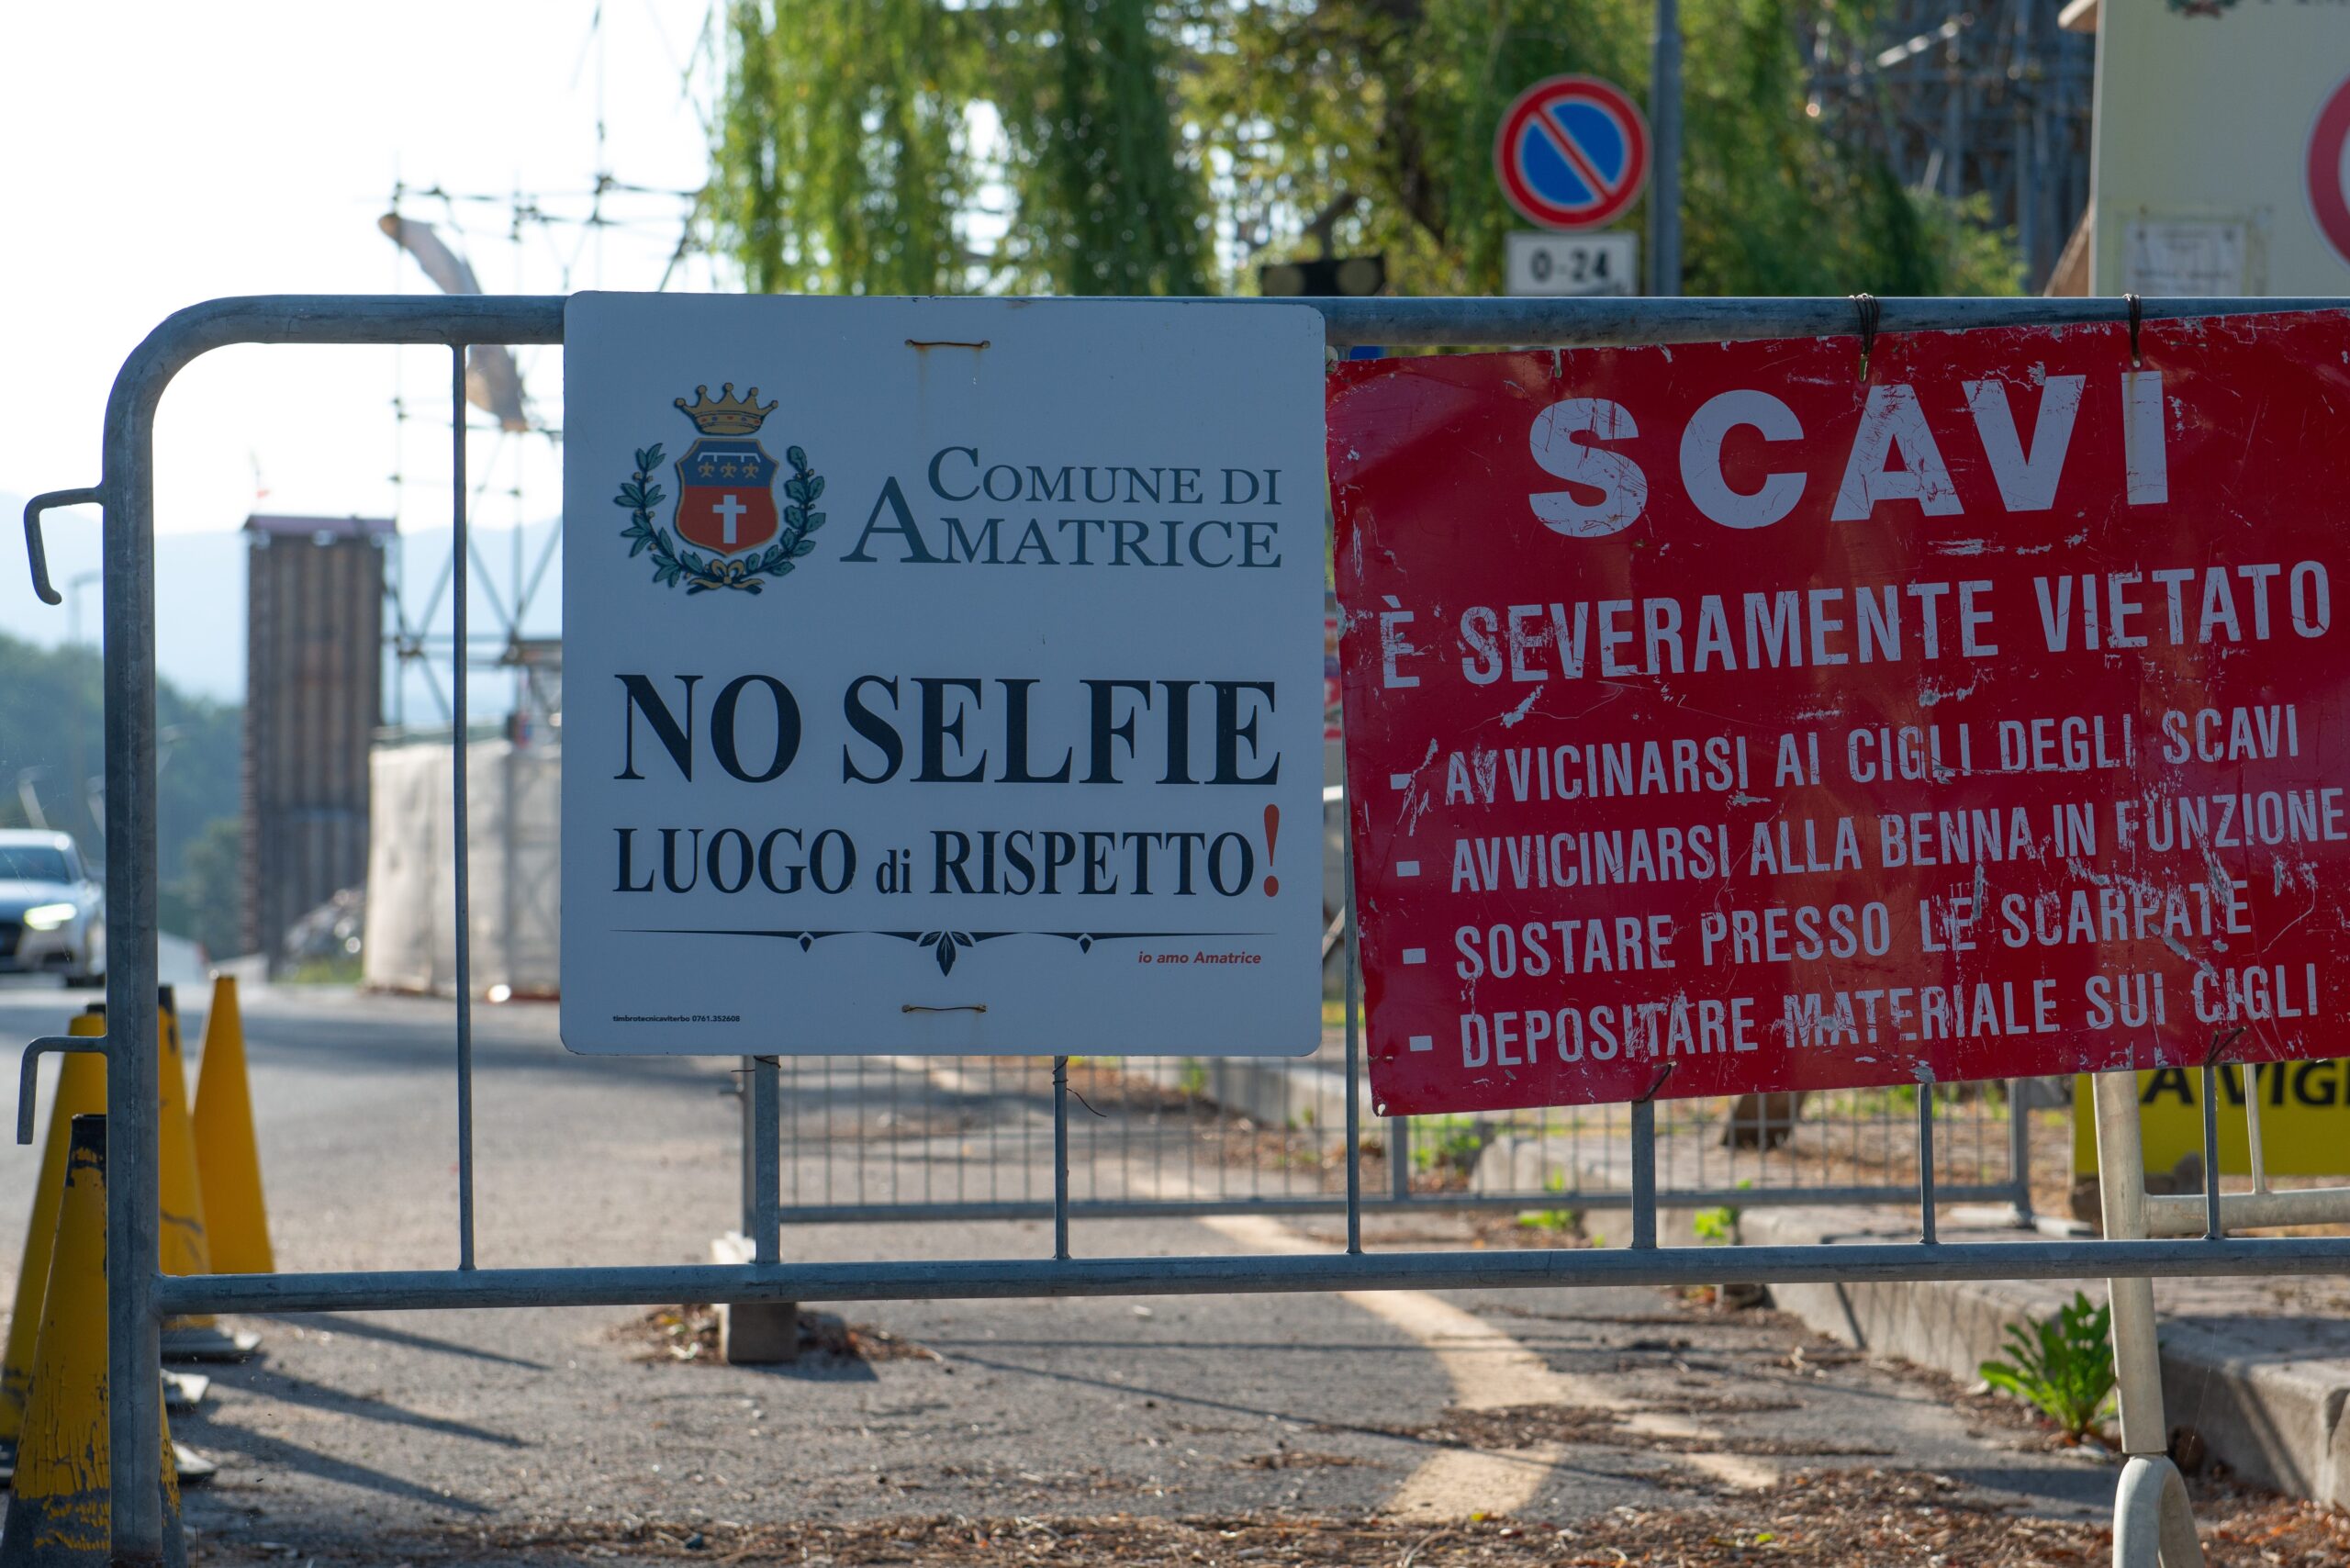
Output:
[[672, 566]]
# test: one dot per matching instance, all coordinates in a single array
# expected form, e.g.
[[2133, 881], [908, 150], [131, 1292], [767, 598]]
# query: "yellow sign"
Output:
[[2304, 1118]]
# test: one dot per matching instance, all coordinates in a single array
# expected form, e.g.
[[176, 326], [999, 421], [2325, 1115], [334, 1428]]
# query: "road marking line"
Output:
[[1488, 1369]]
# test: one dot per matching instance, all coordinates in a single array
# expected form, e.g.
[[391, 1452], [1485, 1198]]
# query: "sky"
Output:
[[159, 155]]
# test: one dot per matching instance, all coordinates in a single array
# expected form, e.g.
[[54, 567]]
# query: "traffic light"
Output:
[[1324, 277]]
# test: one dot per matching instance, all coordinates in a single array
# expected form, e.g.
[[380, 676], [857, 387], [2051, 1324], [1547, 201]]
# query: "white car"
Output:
[[52, 914]]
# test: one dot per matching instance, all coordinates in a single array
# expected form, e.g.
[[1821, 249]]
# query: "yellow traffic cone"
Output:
[[186, 1246], [81, 1091], [227, 1163], [61, 1516]]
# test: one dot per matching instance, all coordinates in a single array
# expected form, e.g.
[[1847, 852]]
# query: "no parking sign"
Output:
[[1573, 153]]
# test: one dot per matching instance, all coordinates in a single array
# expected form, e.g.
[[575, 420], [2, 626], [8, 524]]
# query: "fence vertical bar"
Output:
[[2251, 1124], [459, 553], [1060, 1159], [1644, 1173], [1354, 1049], [2121, 1195], [748, 1206], [1926, 1163], [2211, 1152], [766, 1171], [2020, 1152], [134, 1198], [1399, 1159]]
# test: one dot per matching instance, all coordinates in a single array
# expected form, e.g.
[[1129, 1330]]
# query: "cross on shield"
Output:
[[726, 496]]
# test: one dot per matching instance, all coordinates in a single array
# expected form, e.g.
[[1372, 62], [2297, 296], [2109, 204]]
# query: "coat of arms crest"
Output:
[[726, 502]]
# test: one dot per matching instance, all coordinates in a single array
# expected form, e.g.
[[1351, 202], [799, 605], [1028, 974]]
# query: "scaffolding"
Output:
[[1990, 99], [545, 237]]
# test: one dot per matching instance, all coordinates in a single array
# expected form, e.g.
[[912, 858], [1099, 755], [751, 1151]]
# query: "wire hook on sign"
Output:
[[1657, 1082], [1870, 310], [2137, 307], [2220, 1044]]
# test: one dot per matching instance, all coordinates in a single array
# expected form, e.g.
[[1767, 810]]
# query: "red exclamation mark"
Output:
[[1273, 836]]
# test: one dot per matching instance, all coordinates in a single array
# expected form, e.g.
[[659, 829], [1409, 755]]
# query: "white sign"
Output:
[[942, 675], [2185, 259], [1604, 263], [2229, 115]]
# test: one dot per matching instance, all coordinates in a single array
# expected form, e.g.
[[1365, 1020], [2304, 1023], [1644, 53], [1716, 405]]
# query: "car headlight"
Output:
[[49, 916]]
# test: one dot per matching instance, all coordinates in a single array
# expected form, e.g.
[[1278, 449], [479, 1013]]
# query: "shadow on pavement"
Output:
[[262, 1384], [361, 1328], [216, 1436]]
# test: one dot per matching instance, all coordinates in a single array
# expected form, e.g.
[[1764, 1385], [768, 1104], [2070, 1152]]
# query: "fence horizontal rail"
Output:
[[1399, 322], [1245, 1273], [1192, 1208], [891, 1139]]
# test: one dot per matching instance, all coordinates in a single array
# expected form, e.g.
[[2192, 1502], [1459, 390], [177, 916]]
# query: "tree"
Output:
[[52, 747], [881, 145], [205, 902], [1109, 200], [842, 162], [845, 161]]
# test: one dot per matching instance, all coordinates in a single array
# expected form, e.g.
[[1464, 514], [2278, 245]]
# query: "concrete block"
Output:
[[758, 1333], [753, 1333], [2277, 1422]]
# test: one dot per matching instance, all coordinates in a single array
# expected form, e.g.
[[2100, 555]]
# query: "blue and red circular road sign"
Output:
[[2326, 169], [1573, 153]]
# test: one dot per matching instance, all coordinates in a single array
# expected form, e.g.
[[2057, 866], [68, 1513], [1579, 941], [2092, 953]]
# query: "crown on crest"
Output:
[[728, 415]]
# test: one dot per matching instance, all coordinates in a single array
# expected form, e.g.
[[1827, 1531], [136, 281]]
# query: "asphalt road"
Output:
[[352, 1434]]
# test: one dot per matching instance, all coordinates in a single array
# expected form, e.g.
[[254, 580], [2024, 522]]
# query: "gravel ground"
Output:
[[1850, 1518]]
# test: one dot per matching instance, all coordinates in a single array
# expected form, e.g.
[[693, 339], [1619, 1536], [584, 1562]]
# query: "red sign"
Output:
[[2326, 169], [1571, 152], [1719, 720]]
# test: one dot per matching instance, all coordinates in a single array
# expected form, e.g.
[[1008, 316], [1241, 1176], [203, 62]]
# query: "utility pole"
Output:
[[1664, 127]]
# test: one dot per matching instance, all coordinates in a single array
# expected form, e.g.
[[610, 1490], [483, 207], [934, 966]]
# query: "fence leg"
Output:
[[2152, 1519], [2020, 1155], [758, 1333]]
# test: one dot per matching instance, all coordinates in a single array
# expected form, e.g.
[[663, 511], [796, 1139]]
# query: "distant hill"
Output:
[[50, 692], [200, 578], [201, 589], [49, 734]]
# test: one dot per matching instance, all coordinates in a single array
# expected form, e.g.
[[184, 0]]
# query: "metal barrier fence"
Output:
[[879, 1138], [139, 1295]]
